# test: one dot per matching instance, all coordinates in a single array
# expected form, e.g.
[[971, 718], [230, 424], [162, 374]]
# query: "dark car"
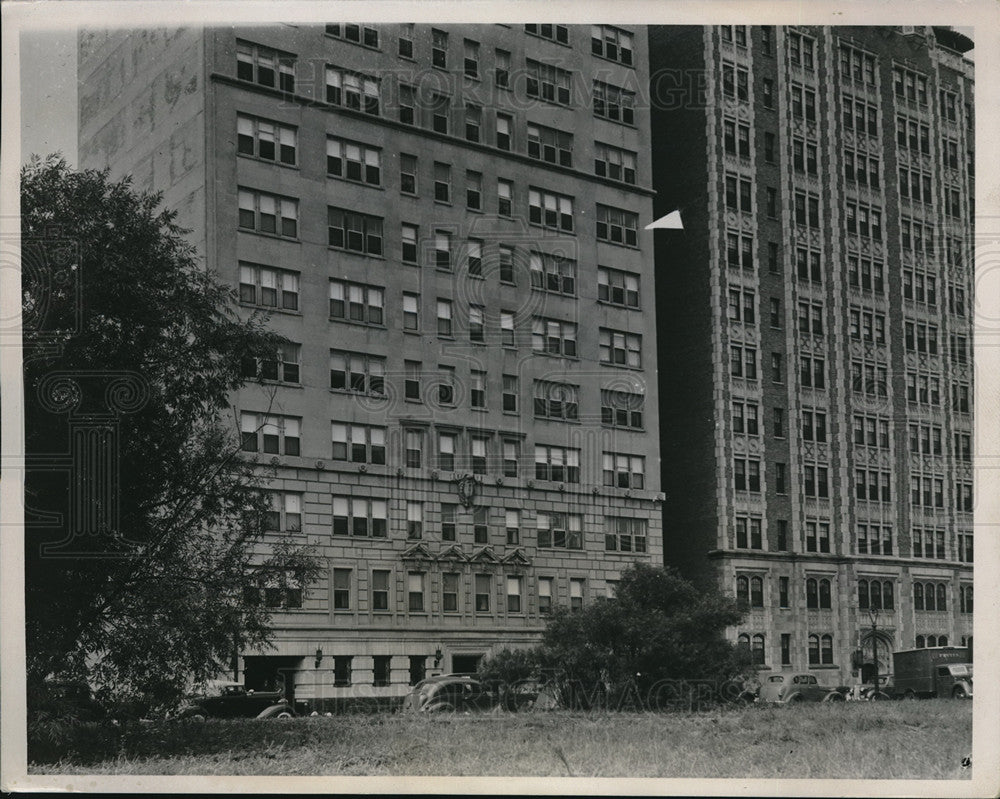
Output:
[[232, 700], [449, 692], [798, 688]]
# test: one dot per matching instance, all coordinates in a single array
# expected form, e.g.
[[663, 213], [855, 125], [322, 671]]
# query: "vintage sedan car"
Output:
[[233, 700], [798, 688], [449, 693]]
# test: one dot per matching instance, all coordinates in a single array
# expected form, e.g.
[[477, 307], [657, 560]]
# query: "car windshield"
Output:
[[960, 670], [776, 679]]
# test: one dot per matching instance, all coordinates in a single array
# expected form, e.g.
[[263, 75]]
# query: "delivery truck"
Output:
[[944, 671]]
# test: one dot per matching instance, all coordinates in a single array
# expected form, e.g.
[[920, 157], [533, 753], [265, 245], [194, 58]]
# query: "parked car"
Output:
[[449, 692], [799, 688], [933, 671], [233, 700]]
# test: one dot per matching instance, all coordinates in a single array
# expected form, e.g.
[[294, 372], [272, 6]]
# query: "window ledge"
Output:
[[270, 309], [260, 160], [279, 237]]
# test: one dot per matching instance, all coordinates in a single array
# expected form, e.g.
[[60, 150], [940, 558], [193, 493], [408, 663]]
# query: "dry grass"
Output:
[[898, 740]]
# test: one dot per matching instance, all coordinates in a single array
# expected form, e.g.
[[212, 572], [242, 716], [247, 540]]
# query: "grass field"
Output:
[[882, 740]]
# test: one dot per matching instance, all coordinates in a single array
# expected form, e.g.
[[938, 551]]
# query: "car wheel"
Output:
[[909, 696], [835, 697], [796, 698], [196, 717], [285, 714], [959, 693], [440, 707], [878, 696]]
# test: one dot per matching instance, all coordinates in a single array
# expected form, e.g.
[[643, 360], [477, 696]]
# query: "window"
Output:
[[859, 116], [875, 595], [739, 250], [807, 210], [357, 373], [510, 393], [514, 591], [775, 367], [865, 274], [965, 599], [501, 70], [407, 175], [909, 85], [341, 589], [804, 156], [913, 135], [864, 220], [479, 450], [504, 127], [767, 92], [444, 311], [735, 81], [769, 147], [512, 527], [261, 65], [473, 122], [820, 650], [915, 185], [857, 65], [415, 593], [555, 400], [742, 306], [553, 337], [866, 325], [920, 337], [745, 417], [874, 539], [268, 213], [352, 90], [767, 39], [553, 273], [360, 34], [442, 249], [360, 516], [750, 591], [285, 512], [446, 385], [355, 232], [283, 367], [739, 193], [414, 441], [612, 43], [810, 318], [418, 668], [746, 474], [380, 590], [624, 471], [477, 395], [553, 211], [743, 362], [545, 595], [736, 138], [269, 141], [872, 485], [511, 456], [555, 33], [381, 670], [617, 287], [812, 372], [405, 40], [449, 592], [960, 397], [547, 82], [356, 302], [782, 535], [446, 451], [817, 536], [620, 348], [576, 594], [439, 48], [449, 515], [871, 431], [614, 103], [617, 226], [270, 434], [801, 51], [962, 445], [928, 543], [281, 589], [407, 104], [358, 443], [440, 116], [549, 144], [625, 535], [269, 287], [930, 596], [483, 591], [622, 409], [783, 592], [861, 169], [815, 481], [476, 323], [356, 162], [558, 464], [505, 195], [471, 62], [411, 311], [614, 163], [414, 520]]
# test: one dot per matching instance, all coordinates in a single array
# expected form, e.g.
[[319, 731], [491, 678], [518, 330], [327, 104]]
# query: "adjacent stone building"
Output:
[[447, 224], [815, 332]]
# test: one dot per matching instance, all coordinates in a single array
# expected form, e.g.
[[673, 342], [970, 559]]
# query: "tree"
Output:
[[658, 627], [144, 529]]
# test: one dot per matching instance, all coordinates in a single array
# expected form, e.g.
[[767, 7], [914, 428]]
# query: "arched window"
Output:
[[757, 650], [918, 597], [943, 640], [887, 600], [876, 592], [742, 590], [942, 600], [812, 594], [929, 596], [756, 592], [827, 649], [743, 642], [824, 594], [920, 643], [965, 597], [813, 650], [863, 594]]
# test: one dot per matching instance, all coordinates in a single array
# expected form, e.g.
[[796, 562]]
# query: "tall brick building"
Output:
[[815, 332], [447, 224]]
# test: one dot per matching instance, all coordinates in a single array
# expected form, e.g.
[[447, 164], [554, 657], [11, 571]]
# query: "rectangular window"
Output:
[[617, 287], [623, 470], [471, 62], [415, 592], [444, 311], [625, 535], [267, 140], [264, 66], [449, 592], [555, 33], [268, 213], [551, 145], [414, 450], [407, 174], [358, 373], [620, 348], [505, 125], [269, 287], [282, 368], [554, 337], [449, 516], [614, 163], [512, 526], [360, 516], [352, 161], [476, 323], [483, 591], [353, 90], [360, 233], [617, 226], [555, 400], [439, 48], [285, 512], [510, 393], [355, 302], [358, 443], [548, 82], [473, 122], [501, 69], [341, 589], [507, 329], [553, 211], [514, 592], [545, 595], [558, 464], [511, 457], [614, 103], [446, 385], [612, 43], [446, 451], [576, 594], [270, 434], [380, 590], [622, 409], [553, 273], [505, 199]]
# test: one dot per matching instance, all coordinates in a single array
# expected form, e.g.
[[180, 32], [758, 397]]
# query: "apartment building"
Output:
[[446, 223], [815, 333]]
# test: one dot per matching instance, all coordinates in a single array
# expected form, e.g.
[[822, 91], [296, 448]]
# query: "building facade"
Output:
[[815, 332], [446, 223]]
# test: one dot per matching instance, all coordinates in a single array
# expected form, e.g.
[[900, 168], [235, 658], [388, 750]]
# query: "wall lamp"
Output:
[[319, 658]]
